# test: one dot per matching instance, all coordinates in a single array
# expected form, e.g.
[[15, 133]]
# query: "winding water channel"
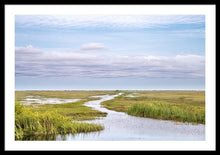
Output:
[[122, 127]]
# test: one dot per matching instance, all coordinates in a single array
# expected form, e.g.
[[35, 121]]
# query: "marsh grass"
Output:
[[169, 111], [74, 111], [29, 122]]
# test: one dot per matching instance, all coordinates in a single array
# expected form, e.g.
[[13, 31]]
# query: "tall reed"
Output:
[[169, 111], [28, 122]]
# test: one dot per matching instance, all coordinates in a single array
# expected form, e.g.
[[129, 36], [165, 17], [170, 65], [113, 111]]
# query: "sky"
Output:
[[109, 52]]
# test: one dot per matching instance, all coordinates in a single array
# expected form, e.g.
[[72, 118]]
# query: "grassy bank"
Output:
[[183, 106], [74, 111], [169, 111], [33, 122]]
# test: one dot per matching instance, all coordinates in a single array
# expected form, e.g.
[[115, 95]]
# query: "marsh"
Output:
[[107, 112]]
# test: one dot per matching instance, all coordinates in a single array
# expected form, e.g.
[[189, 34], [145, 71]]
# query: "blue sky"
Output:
[[109, 52]]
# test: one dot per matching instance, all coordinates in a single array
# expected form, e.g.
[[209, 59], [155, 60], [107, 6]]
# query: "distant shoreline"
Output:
[[113, 90]]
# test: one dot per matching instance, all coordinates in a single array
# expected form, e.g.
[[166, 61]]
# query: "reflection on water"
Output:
[[41, 137], [122, 127], [56, 137]]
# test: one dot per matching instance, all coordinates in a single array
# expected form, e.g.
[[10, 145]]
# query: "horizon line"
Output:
[[110, 90]]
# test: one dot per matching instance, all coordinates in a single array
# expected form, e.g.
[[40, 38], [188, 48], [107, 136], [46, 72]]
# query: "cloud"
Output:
[[32, 62], [107, 21], [93, 46]]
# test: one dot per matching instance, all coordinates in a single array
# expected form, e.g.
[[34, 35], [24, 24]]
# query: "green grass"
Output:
[[32, 122], [169, 111], [182, 106]]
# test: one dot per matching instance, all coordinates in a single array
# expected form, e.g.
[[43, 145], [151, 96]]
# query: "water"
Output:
[[122, 127], [29, 100]]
